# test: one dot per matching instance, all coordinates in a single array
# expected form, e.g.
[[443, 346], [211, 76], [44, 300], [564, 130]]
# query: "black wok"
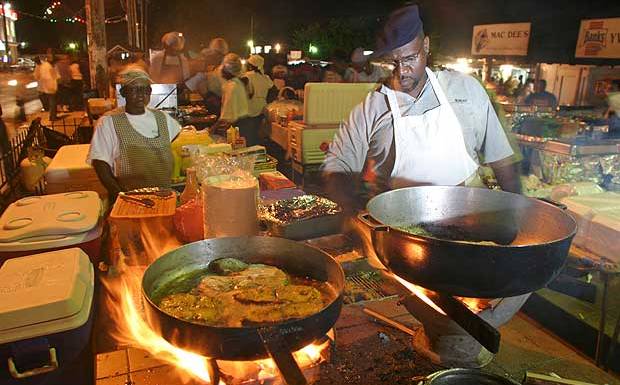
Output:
[[244, 343], [533, 236]]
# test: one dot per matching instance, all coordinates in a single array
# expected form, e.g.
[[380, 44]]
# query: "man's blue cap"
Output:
[[402, 26]]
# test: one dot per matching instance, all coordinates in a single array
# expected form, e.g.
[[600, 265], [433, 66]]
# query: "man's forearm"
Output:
[[342, 189], [106, 176], [508, 176]]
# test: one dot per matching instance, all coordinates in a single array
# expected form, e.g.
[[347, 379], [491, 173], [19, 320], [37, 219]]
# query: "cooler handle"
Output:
[[51, 366]]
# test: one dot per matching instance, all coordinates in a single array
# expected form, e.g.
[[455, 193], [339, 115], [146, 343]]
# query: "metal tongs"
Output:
[[146, 202]]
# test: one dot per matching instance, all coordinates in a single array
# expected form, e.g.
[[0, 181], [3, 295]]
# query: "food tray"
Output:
[[308, 228], [164, 207]]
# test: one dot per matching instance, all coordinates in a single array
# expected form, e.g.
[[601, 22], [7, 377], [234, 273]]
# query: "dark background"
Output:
[[555, 23]]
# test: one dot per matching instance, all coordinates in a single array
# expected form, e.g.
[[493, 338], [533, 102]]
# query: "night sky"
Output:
[[555, 23]]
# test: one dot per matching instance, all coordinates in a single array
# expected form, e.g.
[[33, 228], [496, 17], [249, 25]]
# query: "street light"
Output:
[[313, 49], [278, 47], [72, 46]]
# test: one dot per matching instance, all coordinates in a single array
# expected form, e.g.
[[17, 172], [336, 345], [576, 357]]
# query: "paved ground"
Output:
[[525, 347]]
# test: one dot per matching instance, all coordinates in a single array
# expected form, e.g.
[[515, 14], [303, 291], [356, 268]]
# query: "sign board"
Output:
[[599, 38], [501, 39]]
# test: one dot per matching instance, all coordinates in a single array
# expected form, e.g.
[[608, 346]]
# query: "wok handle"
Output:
[[365, 218], [554, 203], [281, 353]]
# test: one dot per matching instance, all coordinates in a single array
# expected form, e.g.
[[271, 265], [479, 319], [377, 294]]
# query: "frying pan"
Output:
[[533, 238], [275, 340]]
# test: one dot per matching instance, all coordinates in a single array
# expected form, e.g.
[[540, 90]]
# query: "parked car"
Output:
[[23, 64]]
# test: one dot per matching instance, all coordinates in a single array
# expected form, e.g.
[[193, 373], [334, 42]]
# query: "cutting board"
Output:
[[164, 207], [48, 215]]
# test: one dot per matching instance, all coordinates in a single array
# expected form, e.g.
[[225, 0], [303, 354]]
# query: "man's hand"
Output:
[[507, 175]]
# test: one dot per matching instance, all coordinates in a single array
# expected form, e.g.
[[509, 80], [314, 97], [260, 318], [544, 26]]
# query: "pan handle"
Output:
[[281, 354], [365, 218], [559, 205]]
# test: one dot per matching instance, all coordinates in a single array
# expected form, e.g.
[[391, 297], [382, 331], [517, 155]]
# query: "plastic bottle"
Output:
[[191, 186], [231, 135]]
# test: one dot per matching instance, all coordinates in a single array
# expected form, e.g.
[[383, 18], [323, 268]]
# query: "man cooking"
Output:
[[131, 149], [424, 128]]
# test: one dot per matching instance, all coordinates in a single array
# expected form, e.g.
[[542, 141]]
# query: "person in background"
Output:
[[131, 149], [235, 95], [37, 76], [332, 75], [362, 70], [541, 98], [279, 74], [62, 65], [170, 66], [47, 79], [425, 128], [137, 60], [209, 81], [261, 88], [77, 85], [525, 91]]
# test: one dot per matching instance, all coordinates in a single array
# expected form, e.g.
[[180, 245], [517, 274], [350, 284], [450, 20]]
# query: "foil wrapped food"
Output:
[[296, 209]]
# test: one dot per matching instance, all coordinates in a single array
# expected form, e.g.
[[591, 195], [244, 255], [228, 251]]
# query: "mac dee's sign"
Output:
[[501, 39], [599, 38]]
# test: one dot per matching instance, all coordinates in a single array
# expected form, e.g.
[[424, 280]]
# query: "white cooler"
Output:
[[46, 315], [52, 222], [69, 171], [598, 223]]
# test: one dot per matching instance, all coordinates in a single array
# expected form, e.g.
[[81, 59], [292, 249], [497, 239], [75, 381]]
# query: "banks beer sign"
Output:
[[599, 38], [501, 39]]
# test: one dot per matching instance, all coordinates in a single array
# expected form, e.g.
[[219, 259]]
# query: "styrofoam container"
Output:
[[69, 171], [52, 222], [46, 312]]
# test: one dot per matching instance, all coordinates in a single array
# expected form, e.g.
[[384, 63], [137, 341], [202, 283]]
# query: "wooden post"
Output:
[[95, 30]]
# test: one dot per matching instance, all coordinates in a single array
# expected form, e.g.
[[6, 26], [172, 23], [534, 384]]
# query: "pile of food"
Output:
[[299, 208], [450, 233], [232, 293]]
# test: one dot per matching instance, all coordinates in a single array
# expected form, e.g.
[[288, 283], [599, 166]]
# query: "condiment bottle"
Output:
[[231, 135], [191, 186]]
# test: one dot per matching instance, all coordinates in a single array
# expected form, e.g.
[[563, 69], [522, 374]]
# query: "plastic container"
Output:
[[69, 171], [308, 144], [46, 339], [52, 222]]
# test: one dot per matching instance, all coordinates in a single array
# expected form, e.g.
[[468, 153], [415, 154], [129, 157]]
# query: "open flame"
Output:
[[124, 305]]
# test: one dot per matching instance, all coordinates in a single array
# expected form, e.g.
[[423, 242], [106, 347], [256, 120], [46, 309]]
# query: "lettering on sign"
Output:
[[501, 39], [599, 38]]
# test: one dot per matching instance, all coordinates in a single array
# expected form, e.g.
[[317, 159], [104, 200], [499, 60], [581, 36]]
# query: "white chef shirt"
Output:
[[260, 85], [234, 101], [367, 138], [105, 145]]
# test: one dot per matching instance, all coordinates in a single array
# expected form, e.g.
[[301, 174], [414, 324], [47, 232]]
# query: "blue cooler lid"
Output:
[[45, 293]]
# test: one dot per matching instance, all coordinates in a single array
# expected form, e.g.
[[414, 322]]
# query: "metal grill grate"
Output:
[[363, 287]]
